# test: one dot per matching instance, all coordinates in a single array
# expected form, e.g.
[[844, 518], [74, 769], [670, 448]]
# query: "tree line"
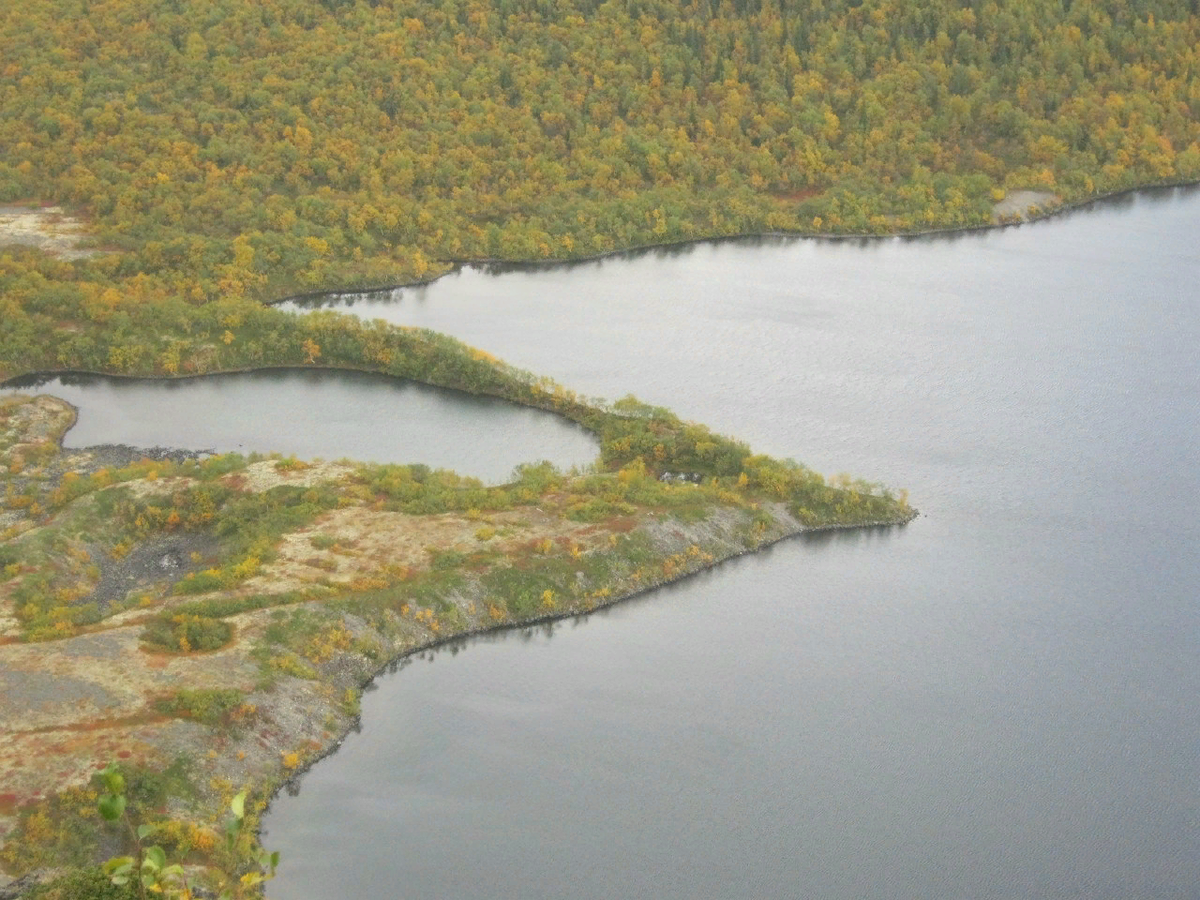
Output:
[[230, 149]]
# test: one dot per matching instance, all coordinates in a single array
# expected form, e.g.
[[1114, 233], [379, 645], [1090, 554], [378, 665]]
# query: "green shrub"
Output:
[[181, 633], [219, 607], [209, 706], [216, 466], [9, 556], [449, 559], [83, 884], [598, 509], [200, 582], [323, 541]]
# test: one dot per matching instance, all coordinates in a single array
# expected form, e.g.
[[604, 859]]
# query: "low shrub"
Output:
[[209, 706], [83, 884], [183, 633], [200, 582]]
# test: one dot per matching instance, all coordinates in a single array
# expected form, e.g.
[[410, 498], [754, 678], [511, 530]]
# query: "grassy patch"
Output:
[[83, 884], [184, 633], [208, 706]]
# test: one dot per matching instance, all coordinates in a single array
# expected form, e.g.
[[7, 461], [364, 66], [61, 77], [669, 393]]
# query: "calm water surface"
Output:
[[997, 701], [312, 413]]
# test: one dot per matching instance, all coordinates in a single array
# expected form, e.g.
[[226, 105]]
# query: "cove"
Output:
[[997, 701], [315, 413]]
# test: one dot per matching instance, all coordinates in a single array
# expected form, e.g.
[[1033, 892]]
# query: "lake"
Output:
[[999, 700], [313, 413]]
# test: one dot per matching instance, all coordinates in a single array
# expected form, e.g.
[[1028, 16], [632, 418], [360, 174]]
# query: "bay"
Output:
[[998, 700]]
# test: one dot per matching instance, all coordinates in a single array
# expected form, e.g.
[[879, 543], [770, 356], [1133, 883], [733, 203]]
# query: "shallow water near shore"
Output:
[[998, 700]]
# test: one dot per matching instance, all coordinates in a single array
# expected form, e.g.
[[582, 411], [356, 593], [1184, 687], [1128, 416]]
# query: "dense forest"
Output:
[[224, 149]]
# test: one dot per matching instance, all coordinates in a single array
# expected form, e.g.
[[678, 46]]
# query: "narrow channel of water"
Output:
[[315, 413], [997, 701]]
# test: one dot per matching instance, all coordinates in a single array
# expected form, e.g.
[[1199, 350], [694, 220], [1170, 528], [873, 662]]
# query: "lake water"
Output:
[[998, 701], [313, 413]]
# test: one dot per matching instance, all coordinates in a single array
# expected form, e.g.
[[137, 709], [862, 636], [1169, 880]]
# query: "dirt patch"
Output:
[[1020, 205], [262, 476], [351, 543], [10, 625], [47, 228], [159, 487]]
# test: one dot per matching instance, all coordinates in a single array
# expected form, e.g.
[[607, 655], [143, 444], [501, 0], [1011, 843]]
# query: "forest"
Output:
[[221, 150]]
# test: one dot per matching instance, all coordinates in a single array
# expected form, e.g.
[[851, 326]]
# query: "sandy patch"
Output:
[[351, 543], [49, 229], [1017, 204], [262, 476], [143, 488]]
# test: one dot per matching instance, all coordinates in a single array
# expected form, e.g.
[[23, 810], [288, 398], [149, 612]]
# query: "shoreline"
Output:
[[458, 264], [285, 754], [292, 779]]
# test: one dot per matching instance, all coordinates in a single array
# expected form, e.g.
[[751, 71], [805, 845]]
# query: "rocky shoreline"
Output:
[[683, 537], [301, 718]]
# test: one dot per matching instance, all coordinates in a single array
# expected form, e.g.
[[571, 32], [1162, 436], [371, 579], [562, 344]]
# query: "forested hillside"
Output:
[[229, 149]]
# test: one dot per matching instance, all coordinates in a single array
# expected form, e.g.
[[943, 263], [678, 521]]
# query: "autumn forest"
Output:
[[223, 152]]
